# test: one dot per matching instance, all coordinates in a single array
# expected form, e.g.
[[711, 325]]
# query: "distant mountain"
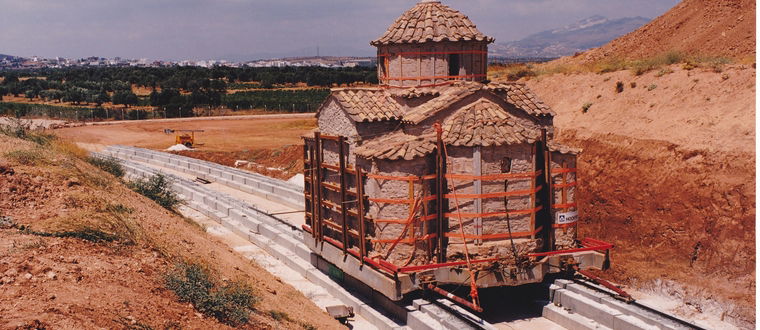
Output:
[[585, 34]]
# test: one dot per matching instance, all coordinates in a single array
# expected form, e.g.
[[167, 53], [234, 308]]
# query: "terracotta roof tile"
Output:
[[448, 96], [397, 145], [431, 21], [563, 149], [482, 123], [520, 96], [368, 104]]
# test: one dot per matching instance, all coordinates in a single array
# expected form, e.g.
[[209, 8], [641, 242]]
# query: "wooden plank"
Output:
[[360, 214], [317, 187], [478, 186], [533, 196], [342, 180]]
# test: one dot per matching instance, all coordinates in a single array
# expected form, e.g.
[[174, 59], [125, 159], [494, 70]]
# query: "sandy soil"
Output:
[[223, 135], [70, 283], [667, 174]]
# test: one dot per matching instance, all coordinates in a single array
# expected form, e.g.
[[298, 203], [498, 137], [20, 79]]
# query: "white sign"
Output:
[[567, 217]]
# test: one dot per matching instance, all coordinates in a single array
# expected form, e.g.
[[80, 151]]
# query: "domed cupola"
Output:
[[431, 44]]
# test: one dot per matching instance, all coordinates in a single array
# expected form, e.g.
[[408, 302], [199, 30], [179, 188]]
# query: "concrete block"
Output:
[[553, 288], [627, 322], [589, 308], [562, 283], [582, 290], [253, 226], [570, 320], [223, 208], [419, 320], [238, 215]]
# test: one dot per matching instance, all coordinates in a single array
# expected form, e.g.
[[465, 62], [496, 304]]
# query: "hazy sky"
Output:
[[236, 29]]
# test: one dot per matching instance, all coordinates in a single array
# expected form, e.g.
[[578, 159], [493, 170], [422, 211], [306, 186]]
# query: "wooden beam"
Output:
[[360, 214], [342, 180]]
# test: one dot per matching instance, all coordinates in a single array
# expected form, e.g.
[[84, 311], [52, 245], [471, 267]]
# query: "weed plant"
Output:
[[108, 164], [229, 302], [157, 188]]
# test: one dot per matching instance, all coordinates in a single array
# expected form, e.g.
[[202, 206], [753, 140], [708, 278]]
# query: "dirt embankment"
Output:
[[720, 28], [667, 174], [105, 266]]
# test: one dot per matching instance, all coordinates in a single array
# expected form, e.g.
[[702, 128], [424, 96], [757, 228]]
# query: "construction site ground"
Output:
[[667, 171], [59, 282]]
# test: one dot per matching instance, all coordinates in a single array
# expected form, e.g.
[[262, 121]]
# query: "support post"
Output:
[[342, 180], [440, 174], [318, 188], [478, 186], [360, 212]]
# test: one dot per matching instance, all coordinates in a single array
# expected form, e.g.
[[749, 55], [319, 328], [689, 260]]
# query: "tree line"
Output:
[[178, 90]]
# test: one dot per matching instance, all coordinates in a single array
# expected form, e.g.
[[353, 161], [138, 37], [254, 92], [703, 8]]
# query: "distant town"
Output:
[[8, 62]]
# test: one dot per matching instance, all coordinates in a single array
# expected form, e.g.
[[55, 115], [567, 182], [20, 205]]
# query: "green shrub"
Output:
[[109, 164], [651, 87], [230, 303], [157, 188]]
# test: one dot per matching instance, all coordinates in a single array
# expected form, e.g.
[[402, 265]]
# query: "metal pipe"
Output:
[[455, 298]]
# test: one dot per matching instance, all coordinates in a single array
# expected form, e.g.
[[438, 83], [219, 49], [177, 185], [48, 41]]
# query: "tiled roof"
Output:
[[520, 96], [448, 95], [368, 104], [431, 21], [485, 123], [482, 123], [563, 149], [398, 145]]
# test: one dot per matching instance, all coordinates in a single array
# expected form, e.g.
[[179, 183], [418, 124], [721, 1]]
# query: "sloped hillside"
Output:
[[667, 174], [719, 28], [80, 250]]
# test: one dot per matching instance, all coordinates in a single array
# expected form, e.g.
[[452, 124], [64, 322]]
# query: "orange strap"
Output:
[[498, 194], [404, 221], [494, 177], [390, 201], [563, 170], [563, 185], [464, 76], [564, 225], [407, 240], [565, 206], [394, 178], [496, 236], [479, 52], [493, 214]]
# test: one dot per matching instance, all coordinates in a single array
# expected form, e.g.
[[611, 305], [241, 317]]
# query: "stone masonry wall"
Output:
[[430, 65], [392, 189], [461, 161], [564, 238]]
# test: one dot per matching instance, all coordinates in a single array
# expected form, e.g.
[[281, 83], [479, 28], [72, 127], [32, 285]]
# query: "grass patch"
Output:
[[30, 157], [108, 164], [230, 303], [157, 188], [651, 87], [87, 234]]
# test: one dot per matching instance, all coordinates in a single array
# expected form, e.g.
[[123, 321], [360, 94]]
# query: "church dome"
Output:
[[431, 21]]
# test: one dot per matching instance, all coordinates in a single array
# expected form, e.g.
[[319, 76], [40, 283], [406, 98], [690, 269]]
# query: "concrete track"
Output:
[[269, 213]]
